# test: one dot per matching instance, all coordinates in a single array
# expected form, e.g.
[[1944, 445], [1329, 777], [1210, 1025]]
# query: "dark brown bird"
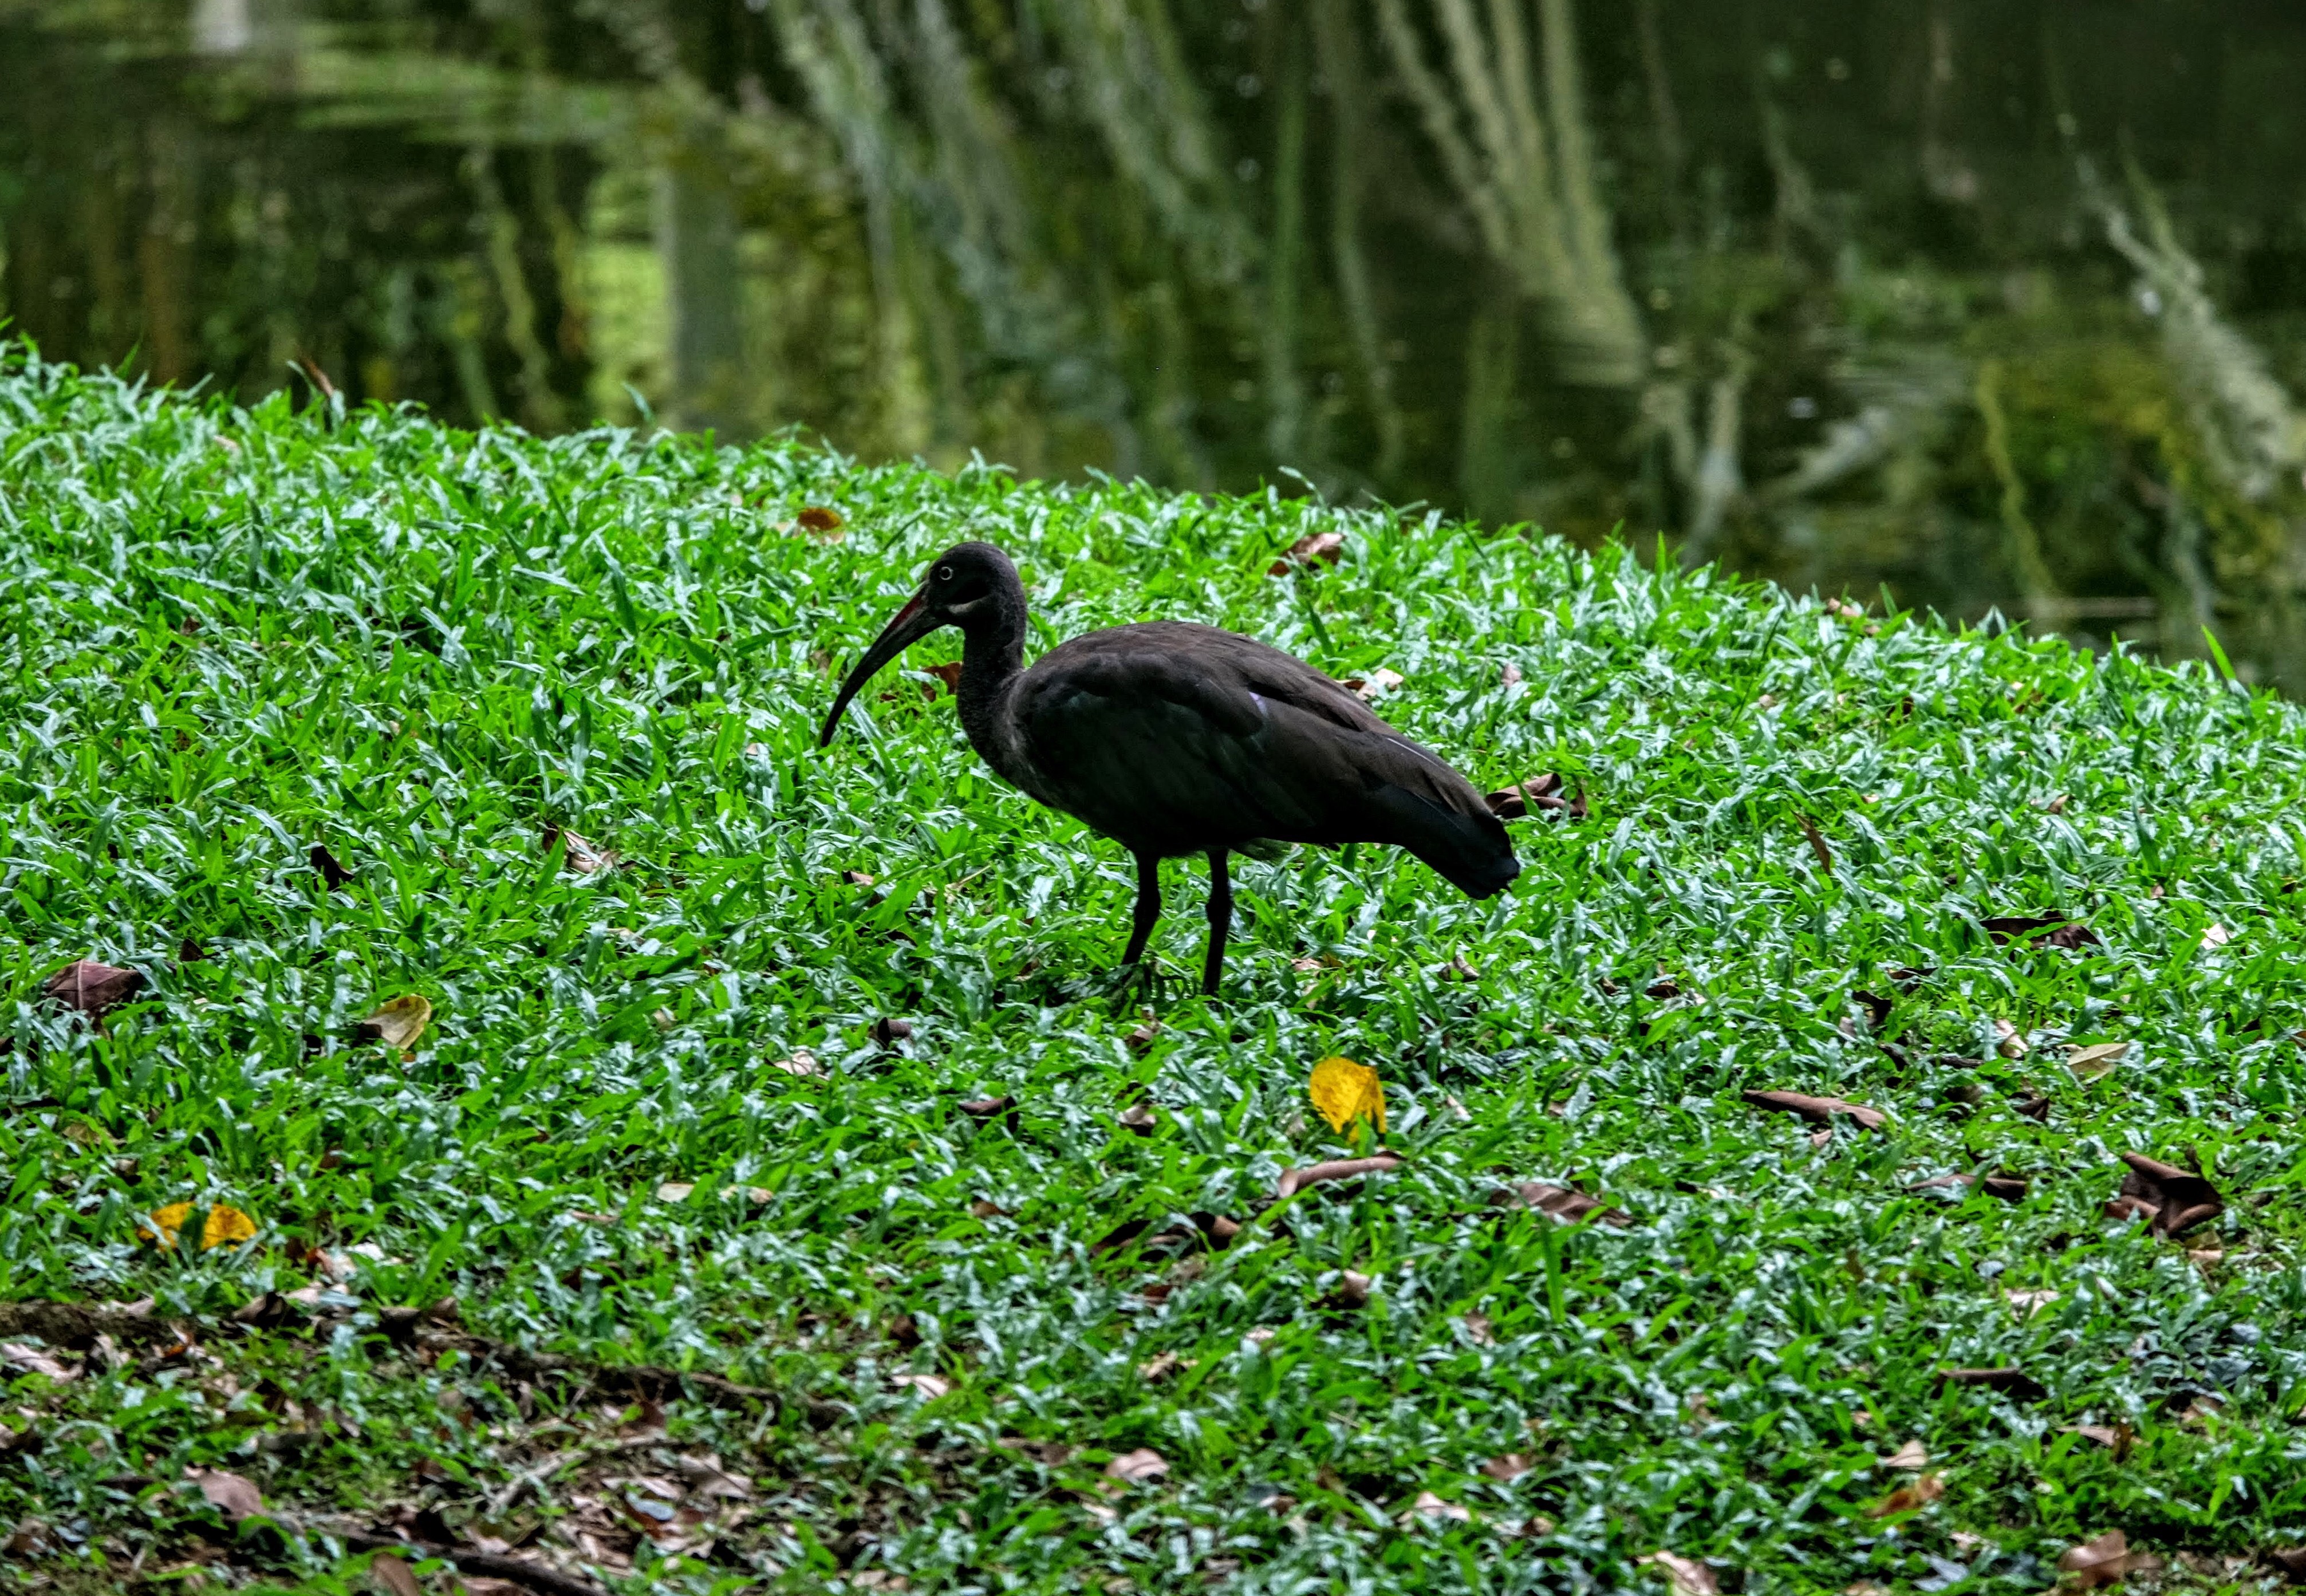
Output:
[[1176, 738]]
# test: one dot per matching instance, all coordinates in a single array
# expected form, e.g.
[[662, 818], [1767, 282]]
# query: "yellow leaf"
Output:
[[225, 1226], [400, 1022], [1345, 1091], [2088, 1064], [165, 1223]]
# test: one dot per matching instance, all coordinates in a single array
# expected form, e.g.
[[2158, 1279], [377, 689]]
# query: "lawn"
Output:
[[783, 1196]]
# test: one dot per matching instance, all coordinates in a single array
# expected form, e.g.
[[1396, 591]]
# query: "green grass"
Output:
[[227, 637]]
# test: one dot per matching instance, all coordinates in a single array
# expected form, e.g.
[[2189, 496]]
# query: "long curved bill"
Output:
[[907, 627]]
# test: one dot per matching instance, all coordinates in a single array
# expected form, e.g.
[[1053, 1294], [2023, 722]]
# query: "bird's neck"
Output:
[[992, 652]]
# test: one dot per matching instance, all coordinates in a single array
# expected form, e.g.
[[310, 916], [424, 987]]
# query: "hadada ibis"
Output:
[[1174, 738]]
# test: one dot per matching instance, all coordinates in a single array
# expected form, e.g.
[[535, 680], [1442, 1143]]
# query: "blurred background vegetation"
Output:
[[1999, 304]]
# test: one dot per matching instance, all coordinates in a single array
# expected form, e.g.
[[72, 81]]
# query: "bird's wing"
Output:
[[1176, 738]]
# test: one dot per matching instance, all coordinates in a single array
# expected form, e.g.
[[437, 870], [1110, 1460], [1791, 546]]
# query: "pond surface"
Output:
[[1997, 306]]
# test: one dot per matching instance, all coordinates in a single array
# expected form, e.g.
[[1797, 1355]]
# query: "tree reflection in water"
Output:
[[2000, 305]]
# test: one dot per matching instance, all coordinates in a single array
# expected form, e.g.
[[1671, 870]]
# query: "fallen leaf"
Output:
[[225, 1226], [1565, 1203], [1353, 1291], [392, 1576], [1539, 792], [1134, 1468], [1877, 1007], [2043, 931], [1509, 1466], [948, 674], [888, 1031], [1157, 1367], [802, 1065], [1510, 675], [2009, 1041], [987, 1108], [2008, 1188], [1430, 1506], [1379, 680], [2088, 1064], [167, 1221], [398, 1021], [675, 1191], [1460, 968], [2104, 1561], [1344, 1091], [930, 1386], [91, 987], [1690, 1577], [1817, 843], [818, 517], [229, 1494], [31, 1360], [2215, 935], [1295, 1180], [1817, 1111], [1913, 1455], [576, 854], [1141, 1117], [331, 868], [2176, 1199], [1315, 548], [2291, 1560], [1478, 1329], [1141, 1037], [1912, 1497], [2009, 1381], [2115, 1438]]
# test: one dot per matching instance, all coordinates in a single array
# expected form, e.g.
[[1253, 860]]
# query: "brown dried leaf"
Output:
[[398, 1021], [1379, 680], [2176, 1199], [392, 1576], [1817, 1111], [2105, 1561], [888, 1031], [2041, 931], [1353, 1291], [2088, 1064], [1478, 1329], [1429, 1505], [331, 867], [801, 1065], [1157, 1367], [1335, 1169], [1909, 1498], [1315, 548], [1509, 1466], [1913, 1455], [31, 1360], [2009, 1381], [1140, 1118], [576, 854], [91, 987], [929, 1386], [1565, 1203], [1135, 1468], [2115, 1438], [229, 1494], [1690, 1577], [818, 517], [987, 1108]]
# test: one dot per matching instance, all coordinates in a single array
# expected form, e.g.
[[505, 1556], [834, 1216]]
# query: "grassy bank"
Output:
[[300, 718]]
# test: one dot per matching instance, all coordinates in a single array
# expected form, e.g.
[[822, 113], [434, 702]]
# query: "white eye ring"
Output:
[[944, 573]]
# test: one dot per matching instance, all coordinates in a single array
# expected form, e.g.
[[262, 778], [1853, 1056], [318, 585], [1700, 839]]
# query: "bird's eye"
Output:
[[944, 573]]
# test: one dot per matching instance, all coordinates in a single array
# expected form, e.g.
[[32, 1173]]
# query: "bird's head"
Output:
[[969, 586]]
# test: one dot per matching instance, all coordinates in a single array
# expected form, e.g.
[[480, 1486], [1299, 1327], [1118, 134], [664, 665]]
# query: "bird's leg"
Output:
[[1149, 908], [1220, 920]]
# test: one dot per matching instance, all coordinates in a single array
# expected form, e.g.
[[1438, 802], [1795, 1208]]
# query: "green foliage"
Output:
[[228, 636]]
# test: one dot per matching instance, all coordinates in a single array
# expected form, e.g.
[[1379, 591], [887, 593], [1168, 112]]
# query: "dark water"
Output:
[[1999, 304]]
